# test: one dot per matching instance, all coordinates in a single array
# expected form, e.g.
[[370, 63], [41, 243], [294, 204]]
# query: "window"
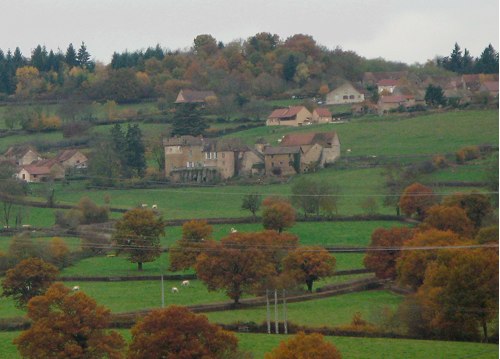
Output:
[[214, 155], [345, 97], [351, 97], [207, 155]]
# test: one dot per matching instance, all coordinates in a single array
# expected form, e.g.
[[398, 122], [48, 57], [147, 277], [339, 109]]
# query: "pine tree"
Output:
[[487, 63], [83, 56], [70, 57], [187, 121], [135, 150]]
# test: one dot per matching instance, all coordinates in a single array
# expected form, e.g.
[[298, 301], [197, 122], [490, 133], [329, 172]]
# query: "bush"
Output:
[[70, 219], [439, 161], [75, 128], [467, 154], [92, 213]]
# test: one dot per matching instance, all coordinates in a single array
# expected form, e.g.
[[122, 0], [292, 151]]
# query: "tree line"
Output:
[[262, 66]]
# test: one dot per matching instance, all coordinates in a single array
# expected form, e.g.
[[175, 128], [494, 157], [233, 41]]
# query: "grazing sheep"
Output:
[[233, 230], [175, 290], [185, 283], [26, 226], [76, 288], [144, 205], [154, 206]]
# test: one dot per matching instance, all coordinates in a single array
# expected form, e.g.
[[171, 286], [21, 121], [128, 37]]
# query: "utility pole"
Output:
[[162, 292], [284, 312], [268, 313], [276, 311]]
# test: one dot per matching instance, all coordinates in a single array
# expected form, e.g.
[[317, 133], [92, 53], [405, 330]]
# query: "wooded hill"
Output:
[[262, 66]]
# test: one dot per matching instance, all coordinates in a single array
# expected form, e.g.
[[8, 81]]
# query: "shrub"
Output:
[[439, 161], [467, 154], [75, 128], [92, 213]]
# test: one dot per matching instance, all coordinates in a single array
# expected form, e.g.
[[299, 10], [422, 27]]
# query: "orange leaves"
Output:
[[383, 262], [29, 278], [449, 218], [307, 264], [67, 324], [416, 199], [176, 332], [243, 262], [305, 346], [278, 214]]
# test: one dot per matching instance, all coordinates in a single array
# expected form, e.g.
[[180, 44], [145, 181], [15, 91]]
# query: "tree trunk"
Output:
[[485, 331], [309, 283], [397, 211], [139, 266]]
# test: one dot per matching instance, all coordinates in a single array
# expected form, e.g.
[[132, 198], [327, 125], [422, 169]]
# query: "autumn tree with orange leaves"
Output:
[[411, 265], [29, 278], [243, 262], [195, 235], [308, 264], [67, 324], [476, 205], [416, 199], [278, 214], [381, 258], [302, 346], [176, 332], [447, 218], [459, 295]]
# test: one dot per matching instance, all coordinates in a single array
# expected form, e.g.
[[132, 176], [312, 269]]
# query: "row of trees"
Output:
[[450, 261], [67, 323], [464, 63], [262, 66]]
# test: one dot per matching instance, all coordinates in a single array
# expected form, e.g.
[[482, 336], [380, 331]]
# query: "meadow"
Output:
[[331, 312], [349, 347], [378, 348], [128, 296]]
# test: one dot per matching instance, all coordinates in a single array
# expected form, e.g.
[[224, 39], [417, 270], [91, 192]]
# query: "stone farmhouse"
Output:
[[22, 155], [201, 160], [291, 116], [197, 159], [345, 93], [321, 115], [41, 171], [316, 148], [72, 159], [192, 96]]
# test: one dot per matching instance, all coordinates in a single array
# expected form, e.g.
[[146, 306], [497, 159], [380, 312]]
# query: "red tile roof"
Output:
[[192, 96], [286, 112], [298, 139], [325, 139], [387, 82], [491, 86], [395, 99], [323, 112]]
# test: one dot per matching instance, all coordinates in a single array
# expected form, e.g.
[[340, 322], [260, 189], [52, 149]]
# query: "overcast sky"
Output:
[[400, 30]]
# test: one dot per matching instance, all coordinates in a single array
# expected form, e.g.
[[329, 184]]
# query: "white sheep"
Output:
[[175, 290], [76, 288], [233, 230], [154, 206], [144, 205], [185, 283]]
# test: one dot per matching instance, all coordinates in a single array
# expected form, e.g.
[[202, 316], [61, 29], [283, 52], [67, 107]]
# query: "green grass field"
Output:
[[330, 312], [349, 347], [378, 348], [126, 296], [395, 136]]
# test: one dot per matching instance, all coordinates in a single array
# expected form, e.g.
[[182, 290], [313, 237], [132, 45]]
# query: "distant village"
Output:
[[200, 160]]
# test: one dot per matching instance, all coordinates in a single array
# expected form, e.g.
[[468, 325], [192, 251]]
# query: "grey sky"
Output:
[[400, 30]]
